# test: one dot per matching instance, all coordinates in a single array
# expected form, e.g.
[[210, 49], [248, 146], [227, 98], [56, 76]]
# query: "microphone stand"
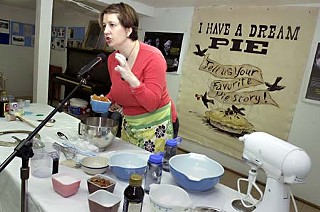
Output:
[[24, 148]]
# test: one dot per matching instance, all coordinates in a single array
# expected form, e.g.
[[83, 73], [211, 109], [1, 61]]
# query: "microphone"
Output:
[[93, 63]]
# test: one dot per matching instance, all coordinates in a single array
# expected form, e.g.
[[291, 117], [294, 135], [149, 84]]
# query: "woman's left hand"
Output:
[[125, 71], [115, 107]]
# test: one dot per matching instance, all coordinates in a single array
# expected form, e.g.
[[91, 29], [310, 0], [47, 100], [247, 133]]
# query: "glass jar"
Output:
[[170, 150], [153, 172]]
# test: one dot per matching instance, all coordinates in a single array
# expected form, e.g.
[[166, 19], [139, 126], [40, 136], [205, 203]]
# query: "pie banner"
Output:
[[242, 73]]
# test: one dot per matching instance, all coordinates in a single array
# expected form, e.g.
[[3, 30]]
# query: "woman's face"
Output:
[[114, 33]]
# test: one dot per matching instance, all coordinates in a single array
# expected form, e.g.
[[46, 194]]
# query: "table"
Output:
[[41, 195]]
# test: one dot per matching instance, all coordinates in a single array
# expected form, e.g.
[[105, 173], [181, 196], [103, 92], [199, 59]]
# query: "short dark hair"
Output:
[[127, 16]]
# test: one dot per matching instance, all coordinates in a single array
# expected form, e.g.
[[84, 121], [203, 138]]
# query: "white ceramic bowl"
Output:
[[195, 172], [102, 200], [123, 165], [94, 164], [166, 198]]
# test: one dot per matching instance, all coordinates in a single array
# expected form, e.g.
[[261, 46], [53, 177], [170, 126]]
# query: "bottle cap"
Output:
[[135, 180], [171, 142], [155, 158]]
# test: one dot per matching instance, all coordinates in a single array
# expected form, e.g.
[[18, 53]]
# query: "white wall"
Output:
[[16, 62], [68, 17], [305, 129]]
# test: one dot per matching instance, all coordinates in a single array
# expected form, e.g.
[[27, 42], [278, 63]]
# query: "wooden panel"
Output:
[[54, 88]]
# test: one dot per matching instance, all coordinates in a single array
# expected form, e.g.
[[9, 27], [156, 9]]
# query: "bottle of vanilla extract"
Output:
[[133, 194]]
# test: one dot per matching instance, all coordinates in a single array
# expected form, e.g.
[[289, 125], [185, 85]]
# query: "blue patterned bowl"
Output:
[[99, 106], [123, 165]]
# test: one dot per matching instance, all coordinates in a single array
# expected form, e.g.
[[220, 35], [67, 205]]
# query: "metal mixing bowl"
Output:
[[99, 131]]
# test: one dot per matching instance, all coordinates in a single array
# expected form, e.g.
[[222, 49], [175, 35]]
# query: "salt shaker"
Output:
[[154, 171], [170, 150]]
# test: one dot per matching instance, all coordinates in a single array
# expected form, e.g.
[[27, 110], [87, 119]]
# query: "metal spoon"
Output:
[[203, 209], [16, 138], [62, 136], [50, 120]]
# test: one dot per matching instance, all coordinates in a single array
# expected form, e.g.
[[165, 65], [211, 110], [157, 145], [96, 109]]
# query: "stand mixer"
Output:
[[283, 164]]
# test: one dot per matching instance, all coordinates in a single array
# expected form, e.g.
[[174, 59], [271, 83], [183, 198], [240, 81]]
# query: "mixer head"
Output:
[[279, 159]]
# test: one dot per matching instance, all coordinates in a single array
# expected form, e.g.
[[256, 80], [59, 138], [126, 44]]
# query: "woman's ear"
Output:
[[129, 31]]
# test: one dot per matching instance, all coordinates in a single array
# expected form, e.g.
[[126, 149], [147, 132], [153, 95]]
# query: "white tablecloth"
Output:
[[41, 195]]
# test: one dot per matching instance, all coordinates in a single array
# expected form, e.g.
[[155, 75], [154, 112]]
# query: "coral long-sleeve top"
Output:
[[150, 69]]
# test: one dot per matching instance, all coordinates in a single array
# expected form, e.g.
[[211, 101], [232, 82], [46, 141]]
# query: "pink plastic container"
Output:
[[64, 184]]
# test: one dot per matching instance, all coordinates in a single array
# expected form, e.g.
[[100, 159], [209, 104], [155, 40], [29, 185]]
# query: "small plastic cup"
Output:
[[27, 102], [21, 103], [41, 164]]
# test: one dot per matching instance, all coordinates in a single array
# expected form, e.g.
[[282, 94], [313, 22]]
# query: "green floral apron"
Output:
[[149, 131]]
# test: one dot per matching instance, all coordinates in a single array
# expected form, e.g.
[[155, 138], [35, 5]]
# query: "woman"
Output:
[[138, 76]]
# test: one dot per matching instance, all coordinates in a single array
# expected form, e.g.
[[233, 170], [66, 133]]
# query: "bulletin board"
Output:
[[4, 31], [75, 37], [58, 38], [22, 34]]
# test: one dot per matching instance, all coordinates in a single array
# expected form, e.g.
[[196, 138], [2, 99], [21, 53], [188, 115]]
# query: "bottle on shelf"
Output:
[[133, 194], [170, 150], [153, 172], [4, 104]]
